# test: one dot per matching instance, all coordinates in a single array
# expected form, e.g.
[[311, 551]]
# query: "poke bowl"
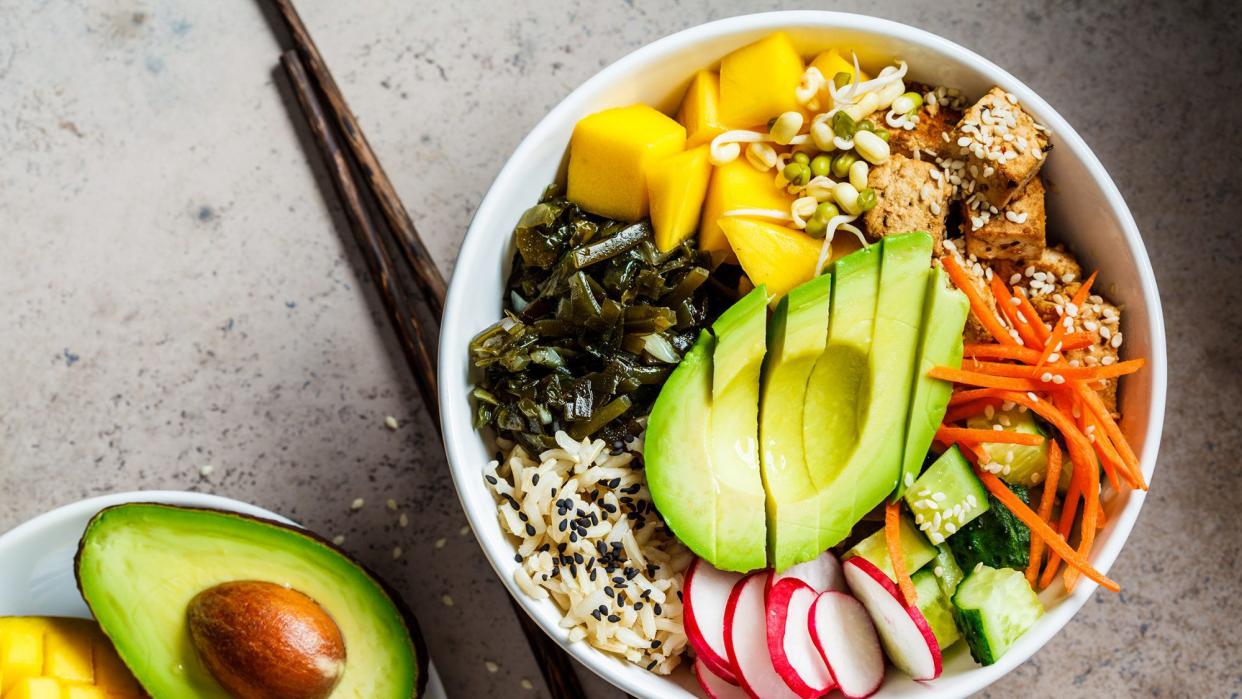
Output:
[[631, 468]]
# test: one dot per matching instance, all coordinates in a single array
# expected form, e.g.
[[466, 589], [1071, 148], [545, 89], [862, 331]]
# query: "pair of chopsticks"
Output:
[[404, 274]]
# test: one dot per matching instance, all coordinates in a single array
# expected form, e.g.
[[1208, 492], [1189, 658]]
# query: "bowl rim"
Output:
[[473, 246]]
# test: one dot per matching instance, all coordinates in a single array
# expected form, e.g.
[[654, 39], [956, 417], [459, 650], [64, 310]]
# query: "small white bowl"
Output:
[[36, 558], [1085, 210]]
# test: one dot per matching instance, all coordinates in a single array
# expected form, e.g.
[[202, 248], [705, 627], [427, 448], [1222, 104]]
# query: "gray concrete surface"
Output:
[[175, 292]]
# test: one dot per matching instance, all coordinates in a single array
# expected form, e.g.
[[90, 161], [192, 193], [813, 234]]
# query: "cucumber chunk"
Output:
[[946, 497], [914, 548], [936, 607], [1023, 465], [993, 608], [996, 538], [948, 573]]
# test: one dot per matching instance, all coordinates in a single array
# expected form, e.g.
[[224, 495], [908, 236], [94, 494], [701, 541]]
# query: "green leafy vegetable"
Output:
[[595, 319]]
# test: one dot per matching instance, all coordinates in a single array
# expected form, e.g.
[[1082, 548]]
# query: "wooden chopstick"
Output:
[[410, 245], [553, 662]]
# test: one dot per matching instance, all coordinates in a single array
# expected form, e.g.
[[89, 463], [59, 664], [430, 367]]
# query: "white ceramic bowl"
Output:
[[1085, 210]]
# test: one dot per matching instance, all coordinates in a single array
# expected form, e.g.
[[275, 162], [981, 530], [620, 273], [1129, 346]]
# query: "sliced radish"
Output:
[[822, 573], [910, 643], [713, 685], [847, 642], [706, 592], [793, 653], [746, 639]]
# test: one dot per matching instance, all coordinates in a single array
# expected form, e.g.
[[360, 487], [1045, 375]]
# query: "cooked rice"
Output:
[[590, 539]]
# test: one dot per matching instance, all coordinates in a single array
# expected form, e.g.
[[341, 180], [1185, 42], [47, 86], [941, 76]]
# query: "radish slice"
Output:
[[822, 573], [713, 685], [706, 592], [847, 642], [910, 643], [793, 653], [746, 640]]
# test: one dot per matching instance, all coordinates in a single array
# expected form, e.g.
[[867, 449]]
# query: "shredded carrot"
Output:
[[977, 304], [1058, 332], [974, 378], [963, 434], [963, 411], [1008, 308], [991, 350], [1081, 373], [1041, 529], [966, 396], [892, 537], [1078, 340], [1079, 447], [1051, 477], [1102, 416], [1028, 311], [1069, 509]]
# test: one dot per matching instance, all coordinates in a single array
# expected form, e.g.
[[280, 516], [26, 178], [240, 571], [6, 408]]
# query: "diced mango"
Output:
[[609, 154], [831, 62], [759, 82], [21, 651], [772, 254], [737, 185], [82, 691], [111, 675], [34, 688], [700, 109], [677, 186], [67, 650]]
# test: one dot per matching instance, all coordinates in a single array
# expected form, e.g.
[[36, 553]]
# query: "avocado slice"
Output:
[[741, 340], [858, 398], [677, 451], [944, 317], [797, 334], [139, 565]]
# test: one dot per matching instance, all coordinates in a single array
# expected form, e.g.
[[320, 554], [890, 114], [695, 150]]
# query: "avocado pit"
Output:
[[261, 640]]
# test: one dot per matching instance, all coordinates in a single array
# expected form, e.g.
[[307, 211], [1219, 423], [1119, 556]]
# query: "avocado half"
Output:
[[138, 566]]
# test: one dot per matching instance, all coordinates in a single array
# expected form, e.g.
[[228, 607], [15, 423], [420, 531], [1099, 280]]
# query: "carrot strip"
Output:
[[989, 350], [963, 434], [1081, 373], [1069, 509], [892, 538], [1041, 529], [969, 395], [1097, 407], [1078, 340], [1028, 310], [980, 307], [969, 410], [1110, 461], [1008, 308], [1079, 447], [974, 378], [1051, 477], [1058, 332]]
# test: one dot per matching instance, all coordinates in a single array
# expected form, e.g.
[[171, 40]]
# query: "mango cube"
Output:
[[759, 82], [111, 675], [772, 254], [67, 651], [21, 652], [83, 691], [737, 185], [609, 154], [34, 688], [831, 62], [700, 109], [677, 186]]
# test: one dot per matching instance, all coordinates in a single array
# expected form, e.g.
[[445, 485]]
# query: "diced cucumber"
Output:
[[914, 548], [1021, 465], [948, 573], [997, 538], [936, 608], [994, 607], [946, 497]]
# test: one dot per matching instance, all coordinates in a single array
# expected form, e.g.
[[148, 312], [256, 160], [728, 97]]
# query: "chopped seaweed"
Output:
[[596, 317]]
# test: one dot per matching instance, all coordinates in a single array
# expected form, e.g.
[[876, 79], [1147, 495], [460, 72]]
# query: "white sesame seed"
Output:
[[446, 600], [1046, 376], [1015, 217], [1030, 271], [935, 208], [909, 479], [357, 504], [1017, 277], [938, 497], [1107, 360], [391, 423], [997, 428], [989, 411], [938, 571], [1105, 332], [1058, 379], [1116, 341], [338, 539], [1005, 471], [1032, 396]]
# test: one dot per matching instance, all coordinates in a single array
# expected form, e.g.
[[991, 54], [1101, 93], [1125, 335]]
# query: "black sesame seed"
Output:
[[596, 613], [522, 516], [657, 609], [564, 523], [609, 591], [530, 529], [517, 558], [491, 479], [578, 558], [534, 480], [651, 665], [592, 576], [614, 619], [657, 643], [573, 538]]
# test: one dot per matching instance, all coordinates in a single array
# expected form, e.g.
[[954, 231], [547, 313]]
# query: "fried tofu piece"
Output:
[[1042, 276], [909, 198], [932, 134], [1003, 149], [1016, 234]]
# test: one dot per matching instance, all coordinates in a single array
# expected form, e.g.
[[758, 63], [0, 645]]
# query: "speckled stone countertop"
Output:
[[175, 290]]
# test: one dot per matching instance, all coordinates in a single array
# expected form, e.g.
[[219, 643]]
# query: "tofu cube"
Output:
[[1002, 146], [609, 154], [909, 198], [1016, 233], [932, 134]]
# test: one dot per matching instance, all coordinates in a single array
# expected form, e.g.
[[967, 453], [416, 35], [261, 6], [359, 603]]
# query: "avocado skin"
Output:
[[407, 616]]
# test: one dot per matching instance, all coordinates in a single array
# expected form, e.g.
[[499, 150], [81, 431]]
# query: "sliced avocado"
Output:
[[741, 339], [797, 333], [858, 397], [940, 344], [139, 565], [677, 451]]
